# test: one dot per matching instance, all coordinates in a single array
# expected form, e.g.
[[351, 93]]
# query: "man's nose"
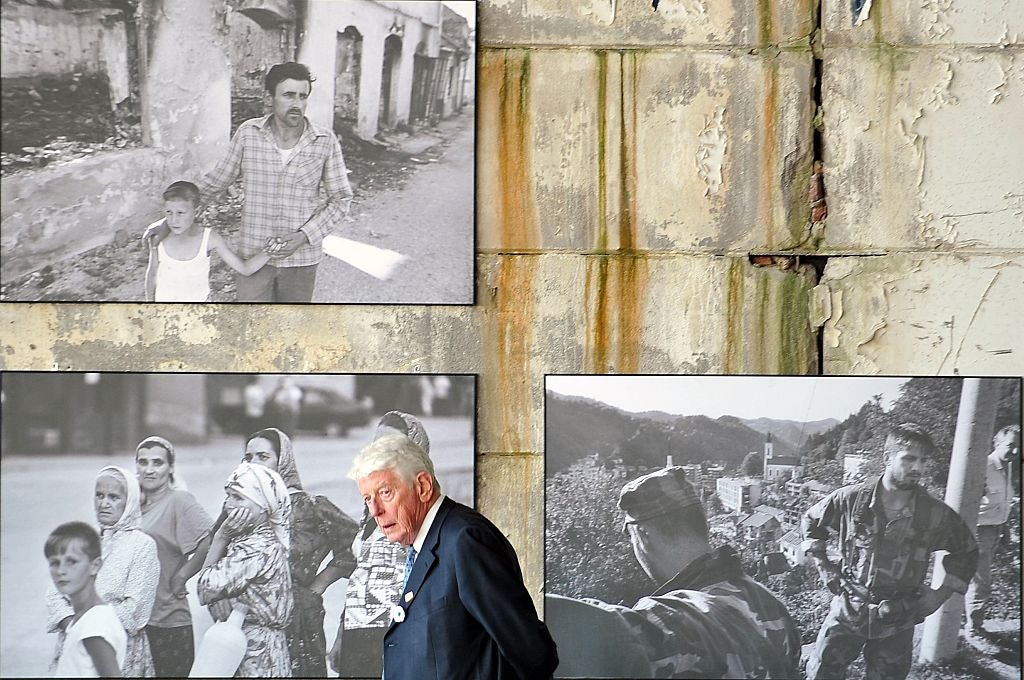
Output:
[[374, 507]]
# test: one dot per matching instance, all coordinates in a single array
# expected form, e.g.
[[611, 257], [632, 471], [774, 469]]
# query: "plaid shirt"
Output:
[[283, 198]]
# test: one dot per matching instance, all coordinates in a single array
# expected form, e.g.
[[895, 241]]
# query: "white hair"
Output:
[[397, 453]]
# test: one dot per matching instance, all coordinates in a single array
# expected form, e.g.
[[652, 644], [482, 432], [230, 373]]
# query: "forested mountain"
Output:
[[577, 427]]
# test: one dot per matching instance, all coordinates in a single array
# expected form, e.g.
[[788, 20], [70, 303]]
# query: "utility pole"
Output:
[[971, 444]]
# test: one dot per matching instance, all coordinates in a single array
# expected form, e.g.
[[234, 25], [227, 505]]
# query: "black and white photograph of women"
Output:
[[783, 526], [176, 516]]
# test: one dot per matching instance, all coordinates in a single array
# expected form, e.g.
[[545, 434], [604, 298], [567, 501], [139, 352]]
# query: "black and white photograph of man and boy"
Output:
[[156, 464], [783, 527]]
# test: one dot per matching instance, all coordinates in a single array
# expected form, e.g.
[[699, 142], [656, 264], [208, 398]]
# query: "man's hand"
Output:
[[285, 246], [828, 571], [931, 600], [220, 610]]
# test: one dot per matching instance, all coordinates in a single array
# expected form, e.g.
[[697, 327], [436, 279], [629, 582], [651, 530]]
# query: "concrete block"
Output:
[[722, 150], [928, 22], [511, 494], [923, 149], [922, 314], [648, 151], [611, 23], [61, 211]]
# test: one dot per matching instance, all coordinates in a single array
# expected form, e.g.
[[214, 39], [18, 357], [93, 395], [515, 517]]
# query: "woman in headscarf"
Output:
[[375, 584], [179, 525], [248, 564], [318, 528], [128, 578]]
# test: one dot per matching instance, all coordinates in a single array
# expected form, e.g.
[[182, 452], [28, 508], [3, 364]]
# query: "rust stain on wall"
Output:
[[627, 153], [731, 358], [615, 294], [509, 70], [508, 347], [769, 150]]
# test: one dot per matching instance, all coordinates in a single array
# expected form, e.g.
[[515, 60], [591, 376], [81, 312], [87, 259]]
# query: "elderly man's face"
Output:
[[398, 507]]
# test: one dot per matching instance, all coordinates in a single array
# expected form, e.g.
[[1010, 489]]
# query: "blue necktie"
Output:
[[410, 558]]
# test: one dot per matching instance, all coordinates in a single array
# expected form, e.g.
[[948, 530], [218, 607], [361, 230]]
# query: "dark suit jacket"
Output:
[[470, 616]]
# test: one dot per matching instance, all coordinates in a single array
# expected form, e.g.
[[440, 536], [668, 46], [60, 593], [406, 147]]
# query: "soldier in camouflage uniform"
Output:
[[887, 527], [709, 619]]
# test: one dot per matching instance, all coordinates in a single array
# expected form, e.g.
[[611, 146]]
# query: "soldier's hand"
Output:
[[929, 602]]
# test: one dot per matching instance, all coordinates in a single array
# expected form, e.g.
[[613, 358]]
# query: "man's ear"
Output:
[[94, 567], [424, 485]]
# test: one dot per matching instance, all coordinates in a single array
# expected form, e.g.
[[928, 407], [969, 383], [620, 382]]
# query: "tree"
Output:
[[753, 464]]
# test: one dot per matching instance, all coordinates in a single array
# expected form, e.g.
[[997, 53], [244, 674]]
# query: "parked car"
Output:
[[327, 411], [322, 410]]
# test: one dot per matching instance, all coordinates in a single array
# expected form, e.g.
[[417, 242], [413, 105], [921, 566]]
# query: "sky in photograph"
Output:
[[802, 399], [466, 8]]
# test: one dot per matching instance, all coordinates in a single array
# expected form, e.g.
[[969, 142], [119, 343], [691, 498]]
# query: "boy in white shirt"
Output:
[[95, 640]]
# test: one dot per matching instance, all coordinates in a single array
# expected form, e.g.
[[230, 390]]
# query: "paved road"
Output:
[[430, 220], [40, 492]]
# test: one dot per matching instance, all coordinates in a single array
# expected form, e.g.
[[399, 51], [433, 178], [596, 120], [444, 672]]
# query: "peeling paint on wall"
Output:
[[602, 10], [711, 148]]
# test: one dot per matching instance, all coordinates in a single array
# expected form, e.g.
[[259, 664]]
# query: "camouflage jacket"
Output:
[[713, 621], [890, 556]]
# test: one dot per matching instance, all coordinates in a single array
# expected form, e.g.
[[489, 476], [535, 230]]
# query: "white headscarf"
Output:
[[131, 518], [265, 488]]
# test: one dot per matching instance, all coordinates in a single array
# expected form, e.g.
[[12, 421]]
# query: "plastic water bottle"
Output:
[[222, 648]]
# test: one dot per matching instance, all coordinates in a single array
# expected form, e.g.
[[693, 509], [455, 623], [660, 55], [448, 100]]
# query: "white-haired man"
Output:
[[464, 610]]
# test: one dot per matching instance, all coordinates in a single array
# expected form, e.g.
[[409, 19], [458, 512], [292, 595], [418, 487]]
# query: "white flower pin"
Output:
[[397, 613]]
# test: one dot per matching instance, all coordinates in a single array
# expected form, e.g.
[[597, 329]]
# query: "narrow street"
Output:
[[429, 220], [40, 492]]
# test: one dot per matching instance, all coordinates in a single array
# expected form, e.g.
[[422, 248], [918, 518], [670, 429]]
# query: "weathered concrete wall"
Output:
[[61, 211], [253, 50], [41, 41], [923, 314], [187, 103], [629, 161], [420, 23]]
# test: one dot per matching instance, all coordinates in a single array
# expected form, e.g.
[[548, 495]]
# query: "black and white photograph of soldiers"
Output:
[[783, 527], [171, 502], [289, 151]]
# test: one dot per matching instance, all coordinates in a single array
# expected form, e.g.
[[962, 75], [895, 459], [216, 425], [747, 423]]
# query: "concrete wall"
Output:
[[617, 217], [60, 211], [40, 41]]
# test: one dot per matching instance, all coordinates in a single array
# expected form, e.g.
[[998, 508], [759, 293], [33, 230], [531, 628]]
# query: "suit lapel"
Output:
[[426, 558]]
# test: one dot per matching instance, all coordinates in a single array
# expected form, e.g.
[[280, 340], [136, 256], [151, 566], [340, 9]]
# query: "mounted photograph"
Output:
[[266, 151], [208, 524], [781, 527]]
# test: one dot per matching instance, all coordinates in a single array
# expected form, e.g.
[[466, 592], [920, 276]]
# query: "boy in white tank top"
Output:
[[179, 266]]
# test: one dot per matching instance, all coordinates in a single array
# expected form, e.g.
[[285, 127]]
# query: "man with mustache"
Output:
[[888, 528], [284, 159]]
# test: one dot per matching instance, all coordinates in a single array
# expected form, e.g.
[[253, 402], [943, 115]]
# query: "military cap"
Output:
[[657, 493]]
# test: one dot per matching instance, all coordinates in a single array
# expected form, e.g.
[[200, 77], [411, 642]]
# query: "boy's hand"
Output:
[[156, 233]]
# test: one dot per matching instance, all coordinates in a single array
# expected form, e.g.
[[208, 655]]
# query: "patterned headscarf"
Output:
[[403, 423], [265, 488], [131, 518], [286, 466]]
